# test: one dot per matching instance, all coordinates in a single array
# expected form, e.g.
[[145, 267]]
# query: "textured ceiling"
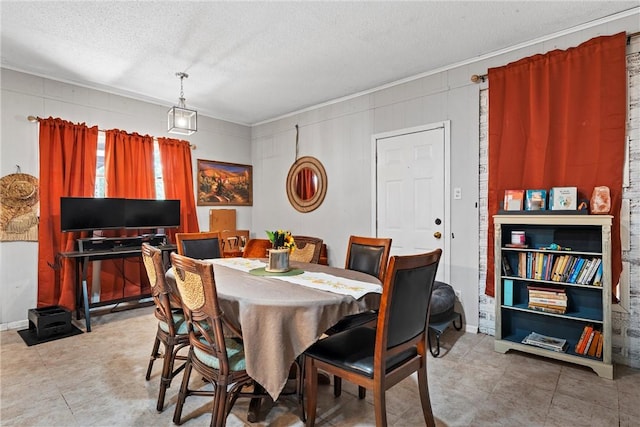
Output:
[[253, 61]]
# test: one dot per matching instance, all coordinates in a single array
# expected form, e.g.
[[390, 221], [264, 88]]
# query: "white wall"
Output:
[[24, 95], [339, 135]]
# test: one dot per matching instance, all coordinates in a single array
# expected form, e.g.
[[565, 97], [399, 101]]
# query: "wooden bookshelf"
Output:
[[579, 236]]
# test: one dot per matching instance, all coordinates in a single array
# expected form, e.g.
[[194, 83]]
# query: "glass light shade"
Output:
[[182, 121]]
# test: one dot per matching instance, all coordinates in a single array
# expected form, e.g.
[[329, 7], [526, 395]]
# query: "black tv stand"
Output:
[[82, 259]]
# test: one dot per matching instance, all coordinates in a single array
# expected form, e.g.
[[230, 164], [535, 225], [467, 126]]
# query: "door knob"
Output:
[[437, 235]]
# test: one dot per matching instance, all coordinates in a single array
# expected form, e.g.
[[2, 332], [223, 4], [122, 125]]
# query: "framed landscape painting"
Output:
[[224, 184]]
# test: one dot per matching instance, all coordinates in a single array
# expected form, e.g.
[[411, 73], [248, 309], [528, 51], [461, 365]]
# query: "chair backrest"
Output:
[[234, 240], [205, 245], [257, 248], [404, 307], [197, 287], [368, 255], [307, 249], [163, 296]]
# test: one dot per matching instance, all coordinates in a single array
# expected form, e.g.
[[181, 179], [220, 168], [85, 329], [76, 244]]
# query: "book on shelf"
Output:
[[506, 267], [522, 265], [548, 266], [588, 343], [583, 271], [597, 336], [564, 276], [547, 309], [508, 292], [546, 342], [549, 290], [597, 280], [592, 271], [548, 302], [513, 200], [563, 198], [586, 334], [562, 262], [581, 339], [535, 200], [576, 270], [599, 348]]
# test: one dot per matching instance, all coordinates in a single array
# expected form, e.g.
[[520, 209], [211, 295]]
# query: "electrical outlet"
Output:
[[458, 294], [457, 193]]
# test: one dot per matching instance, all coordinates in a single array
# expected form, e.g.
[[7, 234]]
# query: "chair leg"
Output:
[[311, 389], [184, 390], [362, 392], [425, 400], [167, 375], [219, 411], [153, 357], [337, 386], [379, 403]]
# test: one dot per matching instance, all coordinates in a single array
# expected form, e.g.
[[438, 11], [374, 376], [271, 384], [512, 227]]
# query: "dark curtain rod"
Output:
[[481, 78], [35, 119]]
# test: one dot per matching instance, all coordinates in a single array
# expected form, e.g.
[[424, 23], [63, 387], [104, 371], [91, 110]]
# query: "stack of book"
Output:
[[543, 341], [549, 300], [590, 342]]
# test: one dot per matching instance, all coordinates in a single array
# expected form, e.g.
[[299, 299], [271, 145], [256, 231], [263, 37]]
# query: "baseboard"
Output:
[[20, 324]]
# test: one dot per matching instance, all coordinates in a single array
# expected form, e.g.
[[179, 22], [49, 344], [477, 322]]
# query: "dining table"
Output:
[[282, 314]]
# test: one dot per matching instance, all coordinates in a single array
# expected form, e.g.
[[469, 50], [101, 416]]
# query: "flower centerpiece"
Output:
[[283, 244]]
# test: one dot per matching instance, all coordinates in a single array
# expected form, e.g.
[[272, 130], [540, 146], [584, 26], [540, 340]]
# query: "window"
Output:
[[100, 189]]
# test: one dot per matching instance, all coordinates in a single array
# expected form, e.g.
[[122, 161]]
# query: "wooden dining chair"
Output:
[[257, 248], [307, 249], [216, 351], [378, 358], [205, 245], [172, 327], [368, 255]]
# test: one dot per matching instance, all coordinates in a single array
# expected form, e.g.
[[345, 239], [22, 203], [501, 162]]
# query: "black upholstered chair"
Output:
[[378, 358], [368, 255], [172, 326], [205, 245]]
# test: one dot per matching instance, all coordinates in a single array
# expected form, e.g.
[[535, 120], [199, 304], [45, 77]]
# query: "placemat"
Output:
[[262, 272]]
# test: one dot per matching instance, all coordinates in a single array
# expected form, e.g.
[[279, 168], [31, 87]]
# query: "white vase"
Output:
[[278, 260]]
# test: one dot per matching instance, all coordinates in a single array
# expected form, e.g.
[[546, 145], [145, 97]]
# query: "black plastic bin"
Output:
[[49, 321]]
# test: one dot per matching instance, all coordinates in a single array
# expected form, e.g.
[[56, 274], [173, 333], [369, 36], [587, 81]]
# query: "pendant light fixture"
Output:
[[180, 119]]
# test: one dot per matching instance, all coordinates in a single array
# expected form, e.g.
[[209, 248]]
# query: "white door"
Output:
[[410, 191]]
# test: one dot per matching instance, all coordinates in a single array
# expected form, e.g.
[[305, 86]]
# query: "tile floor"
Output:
[[97, 379]]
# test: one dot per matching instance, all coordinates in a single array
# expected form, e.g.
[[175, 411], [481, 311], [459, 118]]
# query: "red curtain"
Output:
[[129, 173], [67, 168], [558, 120], [175, 156]]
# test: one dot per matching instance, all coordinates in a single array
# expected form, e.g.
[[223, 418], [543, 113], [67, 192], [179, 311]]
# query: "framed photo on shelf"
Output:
[[224, 184]]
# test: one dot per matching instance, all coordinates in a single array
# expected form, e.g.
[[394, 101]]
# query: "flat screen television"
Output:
[[88, 213], [140, 213]]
